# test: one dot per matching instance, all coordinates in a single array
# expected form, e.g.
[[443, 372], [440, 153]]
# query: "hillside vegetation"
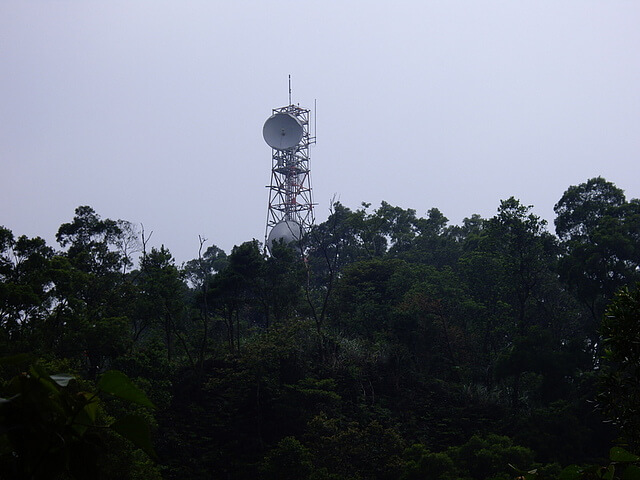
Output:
[[390, 347]]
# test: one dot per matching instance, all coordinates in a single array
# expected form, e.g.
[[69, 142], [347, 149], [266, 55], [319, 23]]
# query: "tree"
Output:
[[200, 270], [25, 291], [435, 322], [290, 460], [600, 231], [436, 243], [420, 463], [620, 386], [527, 251], [235, 290], [488, 457], [347, 237], [365, 297], [509, 266], [398, 225], [281, 287], [93, 296], [199, 274], [92, 242], [352, 450], [581, 207], [162, 298]]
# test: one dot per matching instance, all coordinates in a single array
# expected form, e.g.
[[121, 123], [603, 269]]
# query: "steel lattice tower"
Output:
[[290, 208]]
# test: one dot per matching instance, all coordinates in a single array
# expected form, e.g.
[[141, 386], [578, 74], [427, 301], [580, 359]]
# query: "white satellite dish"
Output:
[[287, 231], [282, 131]]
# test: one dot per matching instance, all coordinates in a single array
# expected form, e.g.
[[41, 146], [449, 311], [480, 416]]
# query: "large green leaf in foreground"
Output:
[[119, 385]]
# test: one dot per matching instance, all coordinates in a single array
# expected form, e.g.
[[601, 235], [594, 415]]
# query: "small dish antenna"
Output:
[[282, 131]]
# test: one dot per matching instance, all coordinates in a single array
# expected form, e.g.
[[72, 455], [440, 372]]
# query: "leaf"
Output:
[[91, 408], [619, 454], [609, 472], [17, 360], [135, 429], [86, 416], [62, 379], [632, 472], [525, 473], [572, 472], [39, 373], [119, 385]]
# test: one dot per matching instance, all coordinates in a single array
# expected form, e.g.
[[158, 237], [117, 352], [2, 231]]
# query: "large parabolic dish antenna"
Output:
[[282, 131]]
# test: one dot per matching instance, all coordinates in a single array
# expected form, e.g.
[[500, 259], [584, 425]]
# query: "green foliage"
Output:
[[25, 294], [481, 458], [354, 451], [620, 387], [289, 460], [160, 306], [91, 241], [149, 368], [584, 434], [599, 229], [118, 384], [385, 330], [489, 457], [200, 270], [50, 427], [365, 296], [623, 465], [420, 463], [582, 207]]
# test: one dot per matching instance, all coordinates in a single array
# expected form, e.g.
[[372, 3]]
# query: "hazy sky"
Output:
[[152, 111]]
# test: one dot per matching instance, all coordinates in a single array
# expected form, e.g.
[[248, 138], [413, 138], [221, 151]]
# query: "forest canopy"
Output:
[[385, 346]]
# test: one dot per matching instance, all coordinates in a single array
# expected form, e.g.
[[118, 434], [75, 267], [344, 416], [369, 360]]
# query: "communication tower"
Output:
[[290, 211]]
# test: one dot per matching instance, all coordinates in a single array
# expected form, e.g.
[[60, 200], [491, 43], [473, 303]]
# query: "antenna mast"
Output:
[[290, 208]]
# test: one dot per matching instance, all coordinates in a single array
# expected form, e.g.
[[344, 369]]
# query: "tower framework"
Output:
[[290, 208]]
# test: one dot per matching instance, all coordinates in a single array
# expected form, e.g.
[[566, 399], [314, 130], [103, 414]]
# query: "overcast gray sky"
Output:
[[152, 111]]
